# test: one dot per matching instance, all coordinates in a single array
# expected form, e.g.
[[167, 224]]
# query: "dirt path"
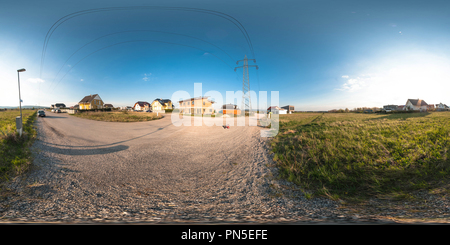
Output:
[[91, 171]]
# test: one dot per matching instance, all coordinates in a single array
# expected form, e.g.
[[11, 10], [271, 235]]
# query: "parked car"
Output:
[[148, 111], [41, 113]]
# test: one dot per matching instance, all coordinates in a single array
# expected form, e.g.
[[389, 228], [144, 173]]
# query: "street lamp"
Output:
[[20, 103]]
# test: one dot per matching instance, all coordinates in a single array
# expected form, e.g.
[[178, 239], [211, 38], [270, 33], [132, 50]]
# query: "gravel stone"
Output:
[[154, 172]]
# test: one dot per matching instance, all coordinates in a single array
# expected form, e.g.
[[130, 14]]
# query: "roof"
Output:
[[230, 107], [417, 102], [88, 99], [445, 106], [161, 101], [142, 103], [108, 105]]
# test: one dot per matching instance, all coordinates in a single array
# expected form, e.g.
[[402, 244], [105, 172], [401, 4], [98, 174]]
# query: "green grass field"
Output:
[[354, 156], [15, 155], [119, 116]]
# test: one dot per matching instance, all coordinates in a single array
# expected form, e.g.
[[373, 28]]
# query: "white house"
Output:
[[141, 106], [415, 105], [442, 107]]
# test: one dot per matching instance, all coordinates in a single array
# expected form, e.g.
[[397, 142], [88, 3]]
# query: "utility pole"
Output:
[[246, 102]]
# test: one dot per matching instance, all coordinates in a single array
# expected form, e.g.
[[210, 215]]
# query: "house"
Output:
[[199, 105], [442, 107], [160, 105], [75, 106], [288, 108], [430, 107], [231, 109], [108, 106], [415, 105], [276, 110], [92, 101], [126, 108], [141, 106]]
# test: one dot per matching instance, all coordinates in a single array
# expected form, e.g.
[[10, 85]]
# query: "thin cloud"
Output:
[[345, 76]]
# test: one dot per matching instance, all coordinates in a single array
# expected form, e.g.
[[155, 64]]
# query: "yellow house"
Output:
[[199, 105], [160, 104], [92, 101]]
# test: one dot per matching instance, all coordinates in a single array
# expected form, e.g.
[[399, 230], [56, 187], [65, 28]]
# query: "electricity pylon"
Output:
[[246, 102]]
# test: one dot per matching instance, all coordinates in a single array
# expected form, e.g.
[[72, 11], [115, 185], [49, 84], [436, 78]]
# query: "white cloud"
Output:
[[35, 80], [146, 77], [345, 76], [394, 79], [353, 84], [81, 80]]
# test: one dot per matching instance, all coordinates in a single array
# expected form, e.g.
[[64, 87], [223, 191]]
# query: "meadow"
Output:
[[15, 155], [119, 116], [355, 156]]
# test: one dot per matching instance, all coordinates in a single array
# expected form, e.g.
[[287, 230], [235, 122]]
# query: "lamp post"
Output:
[[20, 103]]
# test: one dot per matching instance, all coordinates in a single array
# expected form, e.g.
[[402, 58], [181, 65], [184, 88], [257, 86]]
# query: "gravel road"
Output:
[[88, 171]]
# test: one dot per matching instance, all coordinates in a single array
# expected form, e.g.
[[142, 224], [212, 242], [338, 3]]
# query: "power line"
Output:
[[133, 31], [79, 13], [136, 41]]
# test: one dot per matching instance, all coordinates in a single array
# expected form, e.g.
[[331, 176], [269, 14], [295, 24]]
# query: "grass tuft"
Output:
[[358, 156], [119, 116], [15, 155]]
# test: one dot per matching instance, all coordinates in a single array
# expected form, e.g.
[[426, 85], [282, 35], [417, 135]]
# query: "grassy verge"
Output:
[[121, 116], [15, 155], [356, 156]]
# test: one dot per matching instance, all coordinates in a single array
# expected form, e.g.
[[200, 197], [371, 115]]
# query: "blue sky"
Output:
[[319, 55]]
